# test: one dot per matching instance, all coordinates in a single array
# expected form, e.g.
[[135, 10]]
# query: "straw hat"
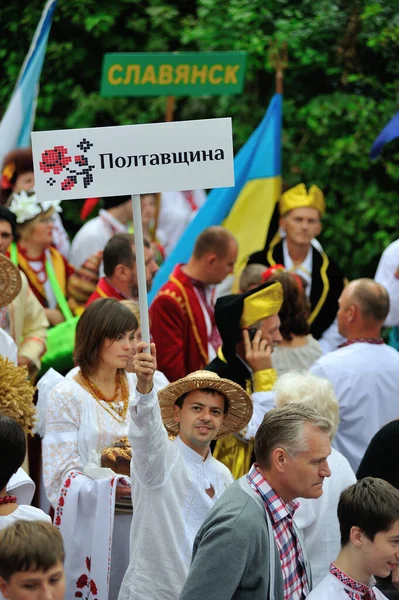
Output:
[[10, 281], [240, 404]]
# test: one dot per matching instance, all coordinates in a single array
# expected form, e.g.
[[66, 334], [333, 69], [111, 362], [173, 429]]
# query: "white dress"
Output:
[[76, 429]]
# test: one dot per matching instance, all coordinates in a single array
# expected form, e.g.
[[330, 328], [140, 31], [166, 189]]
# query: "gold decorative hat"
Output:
[[261, 304], [240, 404], [299, 197], [10, 281]]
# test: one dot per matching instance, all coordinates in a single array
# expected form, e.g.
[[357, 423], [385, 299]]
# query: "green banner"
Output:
[[173, 74]]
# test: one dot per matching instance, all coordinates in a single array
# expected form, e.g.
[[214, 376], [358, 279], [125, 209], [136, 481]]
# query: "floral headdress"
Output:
[[25, 207]]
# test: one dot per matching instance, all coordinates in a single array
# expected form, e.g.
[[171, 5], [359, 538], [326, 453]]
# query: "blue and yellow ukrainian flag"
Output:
[[247, 208]]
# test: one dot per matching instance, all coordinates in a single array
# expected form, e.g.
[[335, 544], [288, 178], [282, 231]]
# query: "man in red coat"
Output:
[[120, 269], [182, 316]]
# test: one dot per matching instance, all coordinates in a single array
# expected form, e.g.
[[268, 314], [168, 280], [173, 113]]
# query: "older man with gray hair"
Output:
[[317, 519], [249, 546]]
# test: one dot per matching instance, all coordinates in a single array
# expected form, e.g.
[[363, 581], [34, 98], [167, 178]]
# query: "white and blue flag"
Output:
[[17, 122]]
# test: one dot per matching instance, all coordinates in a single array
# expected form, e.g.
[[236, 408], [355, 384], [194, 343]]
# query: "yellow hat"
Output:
[[298, 197], [263, 303]]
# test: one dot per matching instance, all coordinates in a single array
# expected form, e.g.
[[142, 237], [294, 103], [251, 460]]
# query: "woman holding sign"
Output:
[[83, 418], [79, 417]]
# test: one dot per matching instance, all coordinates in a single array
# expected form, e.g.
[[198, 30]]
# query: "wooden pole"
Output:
[[278, 58], [170, 109]]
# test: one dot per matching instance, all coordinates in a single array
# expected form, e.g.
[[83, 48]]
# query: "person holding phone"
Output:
[[249, 326]]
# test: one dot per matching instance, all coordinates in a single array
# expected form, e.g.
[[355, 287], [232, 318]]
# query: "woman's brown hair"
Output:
[[105, 318], [296, 308]]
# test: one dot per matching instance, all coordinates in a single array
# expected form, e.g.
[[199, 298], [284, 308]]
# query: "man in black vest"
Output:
[[300, 219]]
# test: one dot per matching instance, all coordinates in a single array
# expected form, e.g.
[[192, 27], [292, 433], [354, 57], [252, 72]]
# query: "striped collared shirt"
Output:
[[296, 584]]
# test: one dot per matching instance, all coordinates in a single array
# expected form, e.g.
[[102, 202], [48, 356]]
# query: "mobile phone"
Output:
[[251, 332]]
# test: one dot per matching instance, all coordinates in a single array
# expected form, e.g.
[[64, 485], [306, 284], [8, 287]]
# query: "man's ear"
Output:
[[281, 222], [356, 536], [3, 587], [319, 229], [176, 413], [279, 459], [120, 272], [210, 258]]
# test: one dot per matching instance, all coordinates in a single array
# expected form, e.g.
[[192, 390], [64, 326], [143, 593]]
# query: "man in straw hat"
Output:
[[175, 483], [301, 211], [249, 327], [248, 545]]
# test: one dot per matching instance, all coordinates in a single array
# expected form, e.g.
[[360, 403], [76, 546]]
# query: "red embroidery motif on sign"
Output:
[[57, 161]]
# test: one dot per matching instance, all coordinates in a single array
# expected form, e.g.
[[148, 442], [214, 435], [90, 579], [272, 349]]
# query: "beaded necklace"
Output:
[[8, 499], [117, 409]]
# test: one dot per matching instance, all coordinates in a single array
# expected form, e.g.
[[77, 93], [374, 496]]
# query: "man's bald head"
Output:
[[363, 308], [371, 298]]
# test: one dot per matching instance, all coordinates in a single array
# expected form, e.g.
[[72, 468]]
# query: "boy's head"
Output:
[[368, 514], [31, 562], [12, 448]]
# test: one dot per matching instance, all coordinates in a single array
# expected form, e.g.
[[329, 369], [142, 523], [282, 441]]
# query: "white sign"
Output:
[[118, 161]]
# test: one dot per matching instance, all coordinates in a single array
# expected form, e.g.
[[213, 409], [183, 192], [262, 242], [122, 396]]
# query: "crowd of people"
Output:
[[247, 453]]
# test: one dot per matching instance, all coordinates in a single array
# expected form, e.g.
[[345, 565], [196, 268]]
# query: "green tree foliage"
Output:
[[341, 87]]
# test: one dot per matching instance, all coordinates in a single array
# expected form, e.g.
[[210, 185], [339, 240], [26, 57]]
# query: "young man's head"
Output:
[[12, 449], [120, 267], [368, 514], [200, 414], [292, 446], [202, 406], [31, 562]]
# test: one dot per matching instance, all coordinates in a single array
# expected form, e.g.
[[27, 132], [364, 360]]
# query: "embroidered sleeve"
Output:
[[153, 454], [60, 444]]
